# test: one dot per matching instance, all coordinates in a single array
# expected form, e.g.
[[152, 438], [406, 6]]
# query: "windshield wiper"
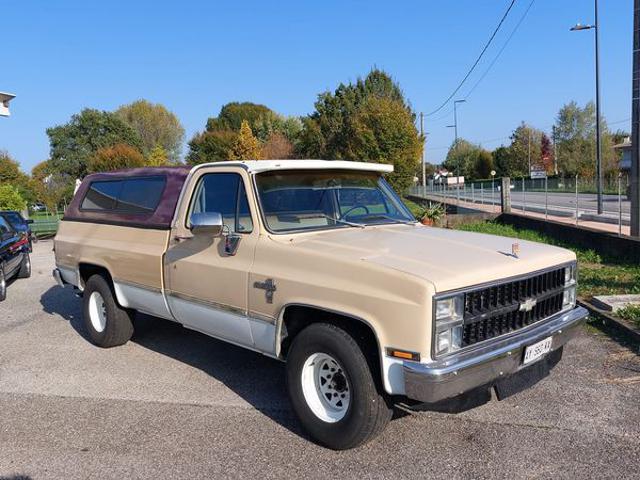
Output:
[[344, 222], [394, 220]]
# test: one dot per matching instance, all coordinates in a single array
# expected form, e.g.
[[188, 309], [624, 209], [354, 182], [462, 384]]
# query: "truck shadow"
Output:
[[257, 379]]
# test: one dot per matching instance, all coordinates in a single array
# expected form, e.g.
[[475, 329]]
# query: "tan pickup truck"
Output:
[[319, 264]]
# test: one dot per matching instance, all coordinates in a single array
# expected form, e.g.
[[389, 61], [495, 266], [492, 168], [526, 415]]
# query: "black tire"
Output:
[[367, 413], [118, 322], [25, 267], [3, 285]]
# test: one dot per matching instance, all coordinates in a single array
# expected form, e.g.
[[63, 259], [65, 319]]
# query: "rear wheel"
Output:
[[106, 322], [3, 285], [25, 267], [332, 389]]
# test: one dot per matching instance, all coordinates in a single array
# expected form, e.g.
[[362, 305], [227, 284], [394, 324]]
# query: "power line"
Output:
[[475, 64], [513, 32]]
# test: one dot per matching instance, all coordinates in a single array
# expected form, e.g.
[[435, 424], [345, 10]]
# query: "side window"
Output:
[[127, 195], [102, 195], [224, 193], [140, 195]]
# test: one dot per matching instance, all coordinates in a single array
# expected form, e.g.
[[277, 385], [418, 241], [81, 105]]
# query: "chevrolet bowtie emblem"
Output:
[[515, 249], [528, 305]]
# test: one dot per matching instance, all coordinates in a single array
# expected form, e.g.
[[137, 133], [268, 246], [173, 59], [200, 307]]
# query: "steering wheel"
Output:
[[355, 207]]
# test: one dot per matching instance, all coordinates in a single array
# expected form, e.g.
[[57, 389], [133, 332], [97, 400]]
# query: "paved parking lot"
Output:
[[176, 404]]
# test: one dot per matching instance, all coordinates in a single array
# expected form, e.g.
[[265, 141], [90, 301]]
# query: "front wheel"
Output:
[[332, 389]]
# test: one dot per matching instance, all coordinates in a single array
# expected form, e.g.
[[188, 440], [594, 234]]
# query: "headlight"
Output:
[[449, 313], [570, 274], [569, 297]]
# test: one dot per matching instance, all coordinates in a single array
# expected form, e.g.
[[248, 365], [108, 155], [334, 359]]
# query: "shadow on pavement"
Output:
[[257, 379]]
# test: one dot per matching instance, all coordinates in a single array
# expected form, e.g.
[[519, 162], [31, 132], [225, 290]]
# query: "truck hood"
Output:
[[449, 259]]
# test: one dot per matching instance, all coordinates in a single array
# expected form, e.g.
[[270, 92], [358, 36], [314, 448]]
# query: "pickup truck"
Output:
[[319, 264]]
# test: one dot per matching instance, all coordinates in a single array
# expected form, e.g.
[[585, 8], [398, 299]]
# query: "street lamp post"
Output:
[[595, 27]]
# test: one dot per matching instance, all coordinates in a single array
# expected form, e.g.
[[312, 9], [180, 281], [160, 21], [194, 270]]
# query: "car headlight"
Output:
[[570, 274], [449, 313], [569, 297]]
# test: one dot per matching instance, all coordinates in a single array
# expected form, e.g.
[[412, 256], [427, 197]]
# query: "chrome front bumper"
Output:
[[459, 373]]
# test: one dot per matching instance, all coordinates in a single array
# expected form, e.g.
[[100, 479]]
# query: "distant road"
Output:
[[587, 202]]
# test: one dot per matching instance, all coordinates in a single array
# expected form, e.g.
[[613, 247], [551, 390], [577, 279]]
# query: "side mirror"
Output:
[[29, 221], [207, 223]]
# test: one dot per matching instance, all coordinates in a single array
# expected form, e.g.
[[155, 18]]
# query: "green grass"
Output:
[[598, 275], [416, 210], [631, 313]]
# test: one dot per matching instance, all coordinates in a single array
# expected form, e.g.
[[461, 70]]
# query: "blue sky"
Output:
[[195, 56]]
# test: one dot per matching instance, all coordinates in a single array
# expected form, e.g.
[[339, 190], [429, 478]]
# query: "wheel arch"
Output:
[[294, 317]]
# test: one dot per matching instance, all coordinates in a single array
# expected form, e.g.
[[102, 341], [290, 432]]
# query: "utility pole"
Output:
[[529, 151], [424, 146], [635, 124]]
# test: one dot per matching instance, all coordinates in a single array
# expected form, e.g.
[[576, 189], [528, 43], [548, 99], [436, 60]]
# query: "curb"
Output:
[[614, 324]]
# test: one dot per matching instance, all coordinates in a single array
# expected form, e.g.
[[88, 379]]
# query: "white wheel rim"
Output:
[[325, 387], [97, 312]]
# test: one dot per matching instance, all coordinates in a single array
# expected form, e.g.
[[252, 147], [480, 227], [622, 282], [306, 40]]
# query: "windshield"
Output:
[[321, 199], [15, 219]]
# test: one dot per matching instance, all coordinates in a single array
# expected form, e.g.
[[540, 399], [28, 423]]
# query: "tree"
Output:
[[483, 165], [368, 120], [546, 154], [211, 146], [156, 126], [115, 158], [52, 188], [10, 198], [277, 147], [524, 149], [246, 146], [157, 157], [11, 173], [328, 131], [502, 161], [462, 158], [233, 114], [76, 142], [384, 133], [575, 136]]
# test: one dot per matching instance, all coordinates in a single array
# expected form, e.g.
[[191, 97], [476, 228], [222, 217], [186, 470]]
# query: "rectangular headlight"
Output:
[[449, 314], [570, 274], [569, 297]]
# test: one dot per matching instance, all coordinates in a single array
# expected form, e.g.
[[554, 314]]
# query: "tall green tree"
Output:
[[74, 143], [211, 146], [12, 174], [155, 125], [10, 198], [525, 147], [575, 136], [366, 120]]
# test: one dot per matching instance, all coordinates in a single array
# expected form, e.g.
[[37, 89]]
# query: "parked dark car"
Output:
[[14, 255], [20, 224]]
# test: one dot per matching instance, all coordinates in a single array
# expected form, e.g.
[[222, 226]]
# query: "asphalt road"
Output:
[[176, 404]]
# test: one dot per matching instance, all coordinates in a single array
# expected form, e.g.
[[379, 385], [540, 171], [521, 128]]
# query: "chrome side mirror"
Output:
[[206, 223]]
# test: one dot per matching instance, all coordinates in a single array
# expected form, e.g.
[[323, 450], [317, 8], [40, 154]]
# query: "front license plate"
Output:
[[537, 351]]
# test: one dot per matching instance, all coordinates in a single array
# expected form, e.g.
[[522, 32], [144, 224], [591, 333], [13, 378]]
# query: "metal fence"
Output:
[[561, 197], [45, 224]]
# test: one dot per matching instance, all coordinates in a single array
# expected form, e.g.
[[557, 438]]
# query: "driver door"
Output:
[[207, 288]]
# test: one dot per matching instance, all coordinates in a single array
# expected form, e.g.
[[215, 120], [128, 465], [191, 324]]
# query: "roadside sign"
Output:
[[538, 172]]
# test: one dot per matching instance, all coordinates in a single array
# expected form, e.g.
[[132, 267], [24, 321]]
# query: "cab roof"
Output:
[[258, 166]]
